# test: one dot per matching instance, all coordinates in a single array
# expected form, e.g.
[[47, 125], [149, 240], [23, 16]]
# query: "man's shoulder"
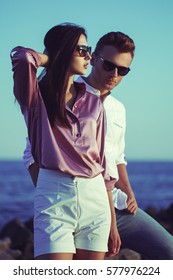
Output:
[[114, 103]]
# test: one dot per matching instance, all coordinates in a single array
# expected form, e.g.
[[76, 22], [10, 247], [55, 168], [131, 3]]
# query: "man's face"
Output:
[[107, 80]]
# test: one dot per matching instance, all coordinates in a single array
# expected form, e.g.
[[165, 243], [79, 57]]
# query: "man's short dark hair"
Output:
[[122, 42]]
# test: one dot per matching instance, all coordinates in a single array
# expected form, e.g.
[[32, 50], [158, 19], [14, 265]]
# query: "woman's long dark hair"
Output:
[[60, 43]]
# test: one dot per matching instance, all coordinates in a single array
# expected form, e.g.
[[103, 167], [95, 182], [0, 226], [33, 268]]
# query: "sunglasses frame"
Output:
[[83, 48], [122, 70]]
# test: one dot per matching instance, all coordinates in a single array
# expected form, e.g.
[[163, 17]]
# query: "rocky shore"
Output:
[[16, 237]]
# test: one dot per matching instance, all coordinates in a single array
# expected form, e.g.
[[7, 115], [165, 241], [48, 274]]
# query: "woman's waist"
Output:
[[71, 168], [55, 175]]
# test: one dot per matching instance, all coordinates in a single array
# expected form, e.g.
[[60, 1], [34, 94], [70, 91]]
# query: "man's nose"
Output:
[[115, 72]]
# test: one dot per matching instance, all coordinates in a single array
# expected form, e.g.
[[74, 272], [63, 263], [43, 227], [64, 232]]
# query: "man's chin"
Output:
[[110, 86]]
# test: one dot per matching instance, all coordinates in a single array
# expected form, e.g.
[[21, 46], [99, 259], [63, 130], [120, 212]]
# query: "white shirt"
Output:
[[114, 141]]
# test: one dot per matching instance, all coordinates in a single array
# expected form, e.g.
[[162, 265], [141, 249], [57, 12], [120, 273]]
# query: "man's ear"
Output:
[[93, 58]]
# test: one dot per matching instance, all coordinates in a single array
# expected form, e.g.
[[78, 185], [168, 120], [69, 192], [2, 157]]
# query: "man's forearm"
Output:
[[123, 183]]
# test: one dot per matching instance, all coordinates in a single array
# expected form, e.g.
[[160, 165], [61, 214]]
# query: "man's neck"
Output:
[[90, 81]]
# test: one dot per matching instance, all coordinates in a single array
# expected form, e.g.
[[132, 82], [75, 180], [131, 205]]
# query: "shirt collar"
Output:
[[92, 89], [88, 87]]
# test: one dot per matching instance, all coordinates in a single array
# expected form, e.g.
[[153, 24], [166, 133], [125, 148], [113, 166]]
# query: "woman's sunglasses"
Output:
[[109, 66], [83, 50]]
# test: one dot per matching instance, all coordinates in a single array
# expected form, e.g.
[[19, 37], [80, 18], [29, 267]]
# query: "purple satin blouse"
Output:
[[79, 150]]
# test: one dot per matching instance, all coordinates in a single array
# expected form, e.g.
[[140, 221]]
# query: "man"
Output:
[[111, 60]]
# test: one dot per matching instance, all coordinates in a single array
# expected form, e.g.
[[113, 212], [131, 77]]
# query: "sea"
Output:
[[152, 183]]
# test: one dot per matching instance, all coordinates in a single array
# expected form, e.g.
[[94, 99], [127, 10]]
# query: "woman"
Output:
[[66, 132]]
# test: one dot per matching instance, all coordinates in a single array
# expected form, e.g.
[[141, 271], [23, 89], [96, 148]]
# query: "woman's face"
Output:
[[81, 57]]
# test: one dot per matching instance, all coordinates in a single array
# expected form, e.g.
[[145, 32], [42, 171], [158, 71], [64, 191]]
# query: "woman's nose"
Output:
[[88, 56]]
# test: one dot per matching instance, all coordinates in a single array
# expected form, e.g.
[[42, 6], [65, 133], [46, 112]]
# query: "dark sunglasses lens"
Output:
[[122, 71], [108, 66]]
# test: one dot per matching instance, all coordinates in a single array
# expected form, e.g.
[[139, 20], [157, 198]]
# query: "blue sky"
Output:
[[147, 92]]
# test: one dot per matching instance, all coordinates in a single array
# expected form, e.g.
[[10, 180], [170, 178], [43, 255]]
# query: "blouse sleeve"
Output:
[[24, 65]]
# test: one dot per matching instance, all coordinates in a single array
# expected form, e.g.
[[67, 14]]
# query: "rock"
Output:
[[17, 232], [10, 254], [5, 256], [28, 252], [152, 211], [16, 254], [169, 212], [21, 239], [5, 244], [5, 252], [166, 215], [29, 225], [163, 217]]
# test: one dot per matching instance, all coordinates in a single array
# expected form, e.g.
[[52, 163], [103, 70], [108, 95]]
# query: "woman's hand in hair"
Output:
[[44, 58]]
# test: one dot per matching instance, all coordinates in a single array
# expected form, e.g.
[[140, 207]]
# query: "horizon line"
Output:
[[129, 160]]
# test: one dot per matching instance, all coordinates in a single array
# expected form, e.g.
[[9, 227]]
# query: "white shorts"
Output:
[[70, 212]]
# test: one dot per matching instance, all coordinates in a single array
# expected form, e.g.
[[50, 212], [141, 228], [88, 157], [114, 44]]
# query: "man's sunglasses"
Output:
[[109, 66], [83, 50]]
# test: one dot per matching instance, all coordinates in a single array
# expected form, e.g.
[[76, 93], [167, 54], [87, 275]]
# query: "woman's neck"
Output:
[[70, 85], [71, 94]]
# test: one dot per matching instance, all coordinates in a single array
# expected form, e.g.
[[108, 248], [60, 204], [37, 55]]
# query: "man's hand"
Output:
[[124, 184], [132, 205]]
